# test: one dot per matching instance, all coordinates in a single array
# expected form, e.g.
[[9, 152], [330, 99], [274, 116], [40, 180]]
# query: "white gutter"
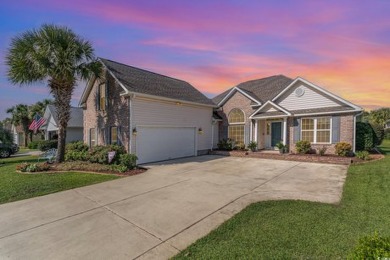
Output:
[[354, 130]]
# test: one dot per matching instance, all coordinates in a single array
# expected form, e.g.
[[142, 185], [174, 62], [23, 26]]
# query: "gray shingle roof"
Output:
[[261, 89], [76, 116], [150, 83]]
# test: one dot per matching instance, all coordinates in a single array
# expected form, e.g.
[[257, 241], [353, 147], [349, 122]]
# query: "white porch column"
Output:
[[285, 130], [250, 131], [256, 122]]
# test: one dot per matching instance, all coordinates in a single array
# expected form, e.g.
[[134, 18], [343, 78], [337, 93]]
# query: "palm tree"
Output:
[[20, 115], [57, 55]]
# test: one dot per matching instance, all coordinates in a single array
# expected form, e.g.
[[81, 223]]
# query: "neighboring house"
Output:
[[74, 131], [18, 133], [153, 116], [279, 109]]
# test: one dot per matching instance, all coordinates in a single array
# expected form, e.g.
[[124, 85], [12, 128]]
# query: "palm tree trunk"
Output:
[[62, 92]]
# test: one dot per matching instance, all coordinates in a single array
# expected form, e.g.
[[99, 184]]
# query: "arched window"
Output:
[[236, 130]]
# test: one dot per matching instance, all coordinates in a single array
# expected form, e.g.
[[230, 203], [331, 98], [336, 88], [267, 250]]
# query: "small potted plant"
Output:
[[253, 146], [281, 147]]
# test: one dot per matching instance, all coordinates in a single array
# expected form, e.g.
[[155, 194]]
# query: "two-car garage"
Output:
[[158, 143]]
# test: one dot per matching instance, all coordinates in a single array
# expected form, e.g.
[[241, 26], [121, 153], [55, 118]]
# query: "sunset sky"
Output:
[[343, 46]]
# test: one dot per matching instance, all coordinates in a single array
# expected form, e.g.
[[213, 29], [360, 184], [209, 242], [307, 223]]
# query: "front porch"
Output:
[[268, 132]]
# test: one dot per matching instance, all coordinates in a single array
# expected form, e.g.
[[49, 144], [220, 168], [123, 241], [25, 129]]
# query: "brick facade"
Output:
[[116, 114], [240, 101]]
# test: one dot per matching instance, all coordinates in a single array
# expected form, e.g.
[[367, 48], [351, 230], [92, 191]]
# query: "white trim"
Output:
[[231, 93], [250, 131], [315, 129], [319, 89], [285, 130], [256, 130], [165, 99], [269, 102], [264, 117], [327, 113], [236, 123]]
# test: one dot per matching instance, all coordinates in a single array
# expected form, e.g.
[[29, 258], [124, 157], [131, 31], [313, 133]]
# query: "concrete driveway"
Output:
[[158, 213]]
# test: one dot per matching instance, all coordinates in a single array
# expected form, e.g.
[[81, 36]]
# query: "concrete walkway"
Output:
[[156, 214]]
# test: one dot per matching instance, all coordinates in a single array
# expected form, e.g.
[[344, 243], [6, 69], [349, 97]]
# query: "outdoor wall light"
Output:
[[135, 131], [200, 131]]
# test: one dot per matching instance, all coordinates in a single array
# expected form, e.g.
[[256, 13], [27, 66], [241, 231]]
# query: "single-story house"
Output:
[[158, 117], [74, 131], [280, 109]]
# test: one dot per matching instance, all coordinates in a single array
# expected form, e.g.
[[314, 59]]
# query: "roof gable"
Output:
[[270, 109], [302, 94], [259, 90], [76, 117]]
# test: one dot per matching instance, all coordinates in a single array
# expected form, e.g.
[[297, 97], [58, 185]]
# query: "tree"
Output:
[[20, 115], [380, 116], [6, 136], [57, 55]]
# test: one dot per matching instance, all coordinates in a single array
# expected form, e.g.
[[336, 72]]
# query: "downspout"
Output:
[[130, 124], [354, 131]]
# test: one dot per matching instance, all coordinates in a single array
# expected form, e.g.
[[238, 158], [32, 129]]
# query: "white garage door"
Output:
[[163, 143]]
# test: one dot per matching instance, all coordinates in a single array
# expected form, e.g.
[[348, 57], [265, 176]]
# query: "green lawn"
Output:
[[17, 186], [306, 230]]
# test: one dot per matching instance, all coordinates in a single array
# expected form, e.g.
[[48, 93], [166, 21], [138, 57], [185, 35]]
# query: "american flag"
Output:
[[36, 123]]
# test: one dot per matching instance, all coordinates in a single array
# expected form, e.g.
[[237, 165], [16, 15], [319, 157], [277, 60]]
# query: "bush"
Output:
[[322, 150], [364, 155], [128, 160], [225, 144], [378, 133], [386, 134], [253, 146], [76, 151], [365, 136], [47, 144], [99, 154], [372, 247], [343, 149], [33, 144], [33, 167], [303, 147]]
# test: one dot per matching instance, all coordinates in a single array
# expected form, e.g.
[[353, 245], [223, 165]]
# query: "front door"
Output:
[[276, 133]]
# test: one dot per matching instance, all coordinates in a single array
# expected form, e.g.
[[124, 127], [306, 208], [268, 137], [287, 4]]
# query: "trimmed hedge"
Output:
[[365, 137], [46, 145]]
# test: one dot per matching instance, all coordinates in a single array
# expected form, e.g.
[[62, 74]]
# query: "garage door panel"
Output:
[[164, 143]]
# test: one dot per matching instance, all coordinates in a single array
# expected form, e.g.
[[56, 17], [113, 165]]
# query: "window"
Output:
[[316, 130], [114, 135], [102, 97], [92, 137], [236, 126], [236, 116]]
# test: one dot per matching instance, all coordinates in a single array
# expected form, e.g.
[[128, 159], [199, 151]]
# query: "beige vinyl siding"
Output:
[[310, 99], [160, 113], [271, 109]]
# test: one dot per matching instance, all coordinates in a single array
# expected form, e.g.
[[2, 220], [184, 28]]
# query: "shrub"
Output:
[[76, 151], [33, 144], [119, 168], [343, 149], [364, 155], [252, 145], [47, 144], [303, 147], [33, 167], [378, 133], [99, 153], [365, 136], [372, 247], [225, 144], [322, 150], [387, 134], [128, 160]]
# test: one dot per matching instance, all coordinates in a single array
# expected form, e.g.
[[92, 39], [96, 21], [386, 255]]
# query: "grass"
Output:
[[16, 186], [300, 229]]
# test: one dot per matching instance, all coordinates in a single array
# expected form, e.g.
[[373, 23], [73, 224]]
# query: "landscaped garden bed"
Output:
[[328, 158]]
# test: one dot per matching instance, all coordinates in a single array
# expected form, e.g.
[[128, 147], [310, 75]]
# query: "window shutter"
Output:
[[335, 129], [119, 136], [106, 88], [297, 130], [98, 97]]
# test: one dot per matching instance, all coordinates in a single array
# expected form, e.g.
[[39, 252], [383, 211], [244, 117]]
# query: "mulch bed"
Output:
[[315, 158], [57, 168]]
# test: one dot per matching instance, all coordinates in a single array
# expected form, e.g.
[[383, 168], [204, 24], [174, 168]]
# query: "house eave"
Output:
[[226, 98]]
